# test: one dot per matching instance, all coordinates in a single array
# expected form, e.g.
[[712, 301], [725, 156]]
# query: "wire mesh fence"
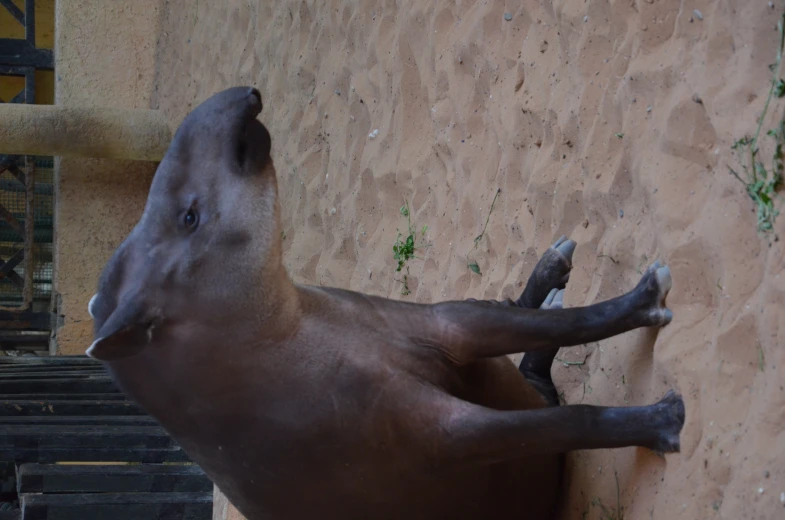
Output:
[[12, 198]]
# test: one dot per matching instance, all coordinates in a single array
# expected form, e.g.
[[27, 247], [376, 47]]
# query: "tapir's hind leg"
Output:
[[550, 274], [495, 435]]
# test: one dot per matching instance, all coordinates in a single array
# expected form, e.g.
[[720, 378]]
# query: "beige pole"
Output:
[[111, 133]]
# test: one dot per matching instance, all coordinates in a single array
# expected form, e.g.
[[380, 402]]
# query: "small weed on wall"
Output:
[[763, 179], [404, 250]]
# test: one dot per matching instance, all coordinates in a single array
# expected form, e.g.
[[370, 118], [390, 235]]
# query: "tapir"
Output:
[[305, 402]]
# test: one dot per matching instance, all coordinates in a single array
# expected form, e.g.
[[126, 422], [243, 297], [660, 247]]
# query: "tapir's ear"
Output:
[[126, 332]]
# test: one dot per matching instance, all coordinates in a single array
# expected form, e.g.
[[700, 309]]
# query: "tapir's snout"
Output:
[[254, 93], [227, 108], [248, 99], [224, 128]]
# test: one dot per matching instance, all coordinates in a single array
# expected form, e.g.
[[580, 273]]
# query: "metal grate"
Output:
[[12, 198]]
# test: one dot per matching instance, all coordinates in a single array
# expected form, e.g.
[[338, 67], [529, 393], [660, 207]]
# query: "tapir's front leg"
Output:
[[486, 435], [465, 331]]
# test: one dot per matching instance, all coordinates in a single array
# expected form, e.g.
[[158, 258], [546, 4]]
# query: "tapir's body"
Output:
[[305, 402], [324, 438]]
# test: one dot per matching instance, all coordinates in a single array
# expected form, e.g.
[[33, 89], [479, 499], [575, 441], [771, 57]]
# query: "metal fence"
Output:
[[26, 203], [13, 200]]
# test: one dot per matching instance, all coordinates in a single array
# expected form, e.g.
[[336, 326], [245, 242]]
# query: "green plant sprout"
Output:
[[762, 182], [404, 250]]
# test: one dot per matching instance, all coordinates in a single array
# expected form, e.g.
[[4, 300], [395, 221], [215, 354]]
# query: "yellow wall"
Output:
[[98, 202], [44, 39]]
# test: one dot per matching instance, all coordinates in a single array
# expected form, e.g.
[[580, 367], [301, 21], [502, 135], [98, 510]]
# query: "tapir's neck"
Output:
[[185, 356], [278, 310], [187, 366]]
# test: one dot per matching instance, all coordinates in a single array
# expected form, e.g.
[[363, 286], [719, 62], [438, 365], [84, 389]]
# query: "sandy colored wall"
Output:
[[467, 102], [104, 56]]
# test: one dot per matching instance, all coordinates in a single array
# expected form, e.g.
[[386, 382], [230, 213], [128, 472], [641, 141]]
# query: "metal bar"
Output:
[[43, 236], [55, 478], [59, 396], [13, 302], [56, 374], [30, 86], [30, 22], [74, 374], [12, 221], [8, 162], [15, 52], [97, 420], [11, 274], [14, 10], [29, 347], [12, 186], [25, 320], [7, 266], [99, 385], [60, 361], [99, 506], [50, 455], [57, 407], [16, 280], [8, 70], [30, 369], [19, 216], [65, 436], [29, 258]]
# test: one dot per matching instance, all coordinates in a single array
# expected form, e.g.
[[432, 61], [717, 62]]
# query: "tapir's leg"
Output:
[[488, 435], [542, 380], [466, 331], [551, 272], [550, 275]]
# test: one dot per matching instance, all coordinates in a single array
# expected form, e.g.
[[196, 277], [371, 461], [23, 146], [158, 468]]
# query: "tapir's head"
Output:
[[208, 233]]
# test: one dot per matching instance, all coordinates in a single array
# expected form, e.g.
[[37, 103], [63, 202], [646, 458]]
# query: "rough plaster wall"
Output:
[[105, 56]]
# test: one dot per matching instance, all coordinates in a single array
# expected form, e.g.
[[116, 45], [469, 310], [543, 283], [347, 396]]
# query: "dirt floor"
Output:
[[609, 122]]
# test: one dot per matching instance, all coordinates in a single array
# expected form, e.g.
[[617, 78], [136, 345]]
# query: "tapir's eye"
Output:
[[191, 219]]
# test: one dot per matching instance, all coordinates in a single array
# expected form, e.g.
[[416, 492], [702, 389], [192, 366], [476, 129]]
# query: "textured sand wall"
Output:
[[465, 103]]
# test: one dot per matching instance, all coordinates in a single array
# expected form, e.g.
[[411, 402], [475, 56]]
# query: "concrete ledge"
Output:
[[109, 133]]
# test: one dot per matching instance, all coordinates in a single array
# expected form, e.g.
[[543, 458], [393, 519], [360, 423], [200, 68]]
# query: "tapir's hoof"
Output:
[[668, 422], [655, 285], [566, 248], [555, 300], [556, 263], [551, 272]]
